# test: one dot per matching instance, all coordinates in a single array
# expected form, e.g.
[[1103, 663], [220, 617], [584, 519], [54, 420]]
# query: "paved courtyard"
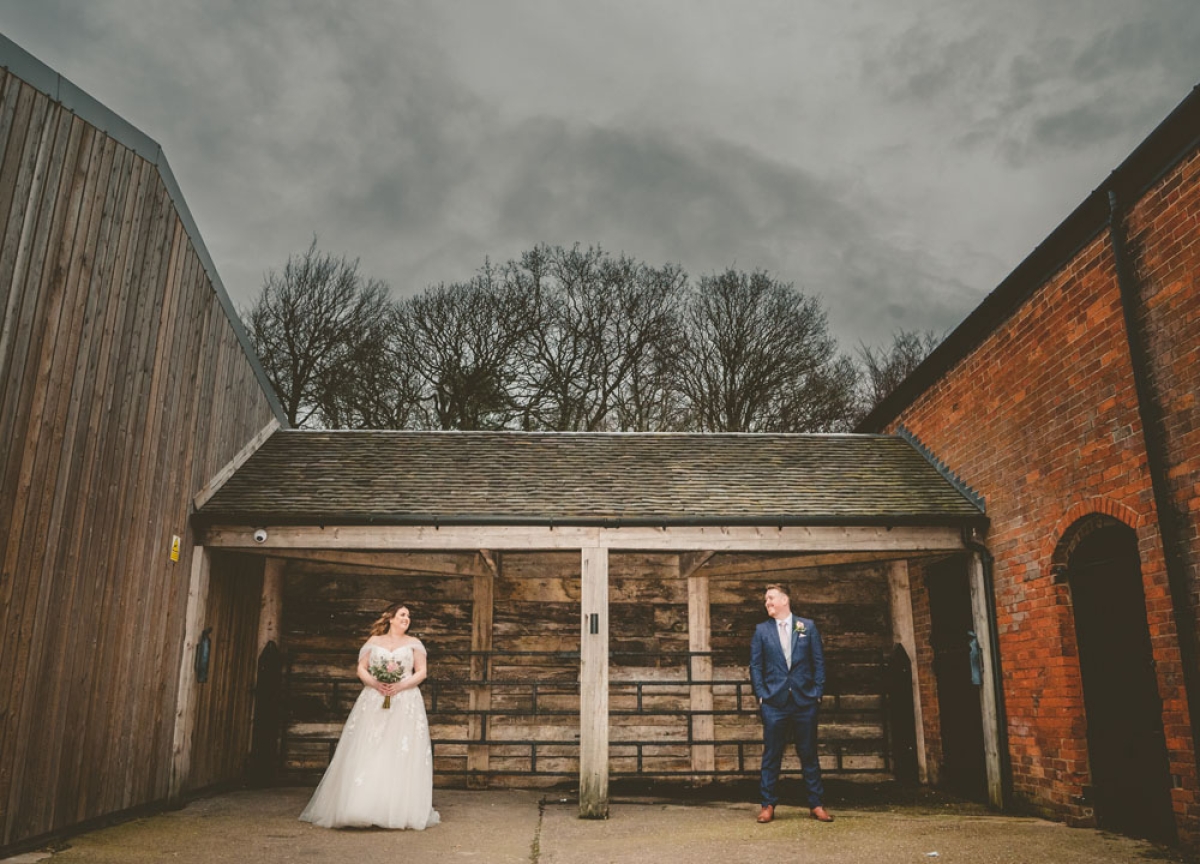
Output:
[[541, 827]]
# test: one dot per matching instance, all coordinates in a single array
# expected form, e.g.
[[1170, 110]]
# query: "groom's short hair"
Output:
[[778, 588]]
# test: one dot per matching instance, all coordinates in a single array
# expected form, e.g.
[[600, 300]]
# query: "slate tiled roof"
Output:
[[385, 477]]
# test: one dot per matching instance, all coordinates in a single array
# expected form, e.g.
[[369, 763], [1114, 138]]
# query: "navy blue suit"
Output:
[[790, 698]]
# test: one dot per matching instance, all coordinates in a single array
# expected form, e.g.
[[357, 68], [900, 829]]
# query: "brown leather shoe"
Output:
[[766, 814], [821, 814]]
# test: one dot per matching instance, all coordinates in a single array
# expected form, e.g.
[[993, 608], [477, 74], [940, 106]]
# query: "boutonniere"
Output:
[[800, 630]]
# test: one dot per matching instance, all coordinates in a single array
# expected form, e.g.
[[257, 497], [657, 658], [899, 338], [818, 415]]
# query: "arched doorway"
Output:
[[1131, 778]]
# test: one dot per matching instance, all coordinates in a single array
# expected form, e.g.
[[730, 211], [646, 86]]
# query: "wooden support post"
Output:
[[268, 685], [987, 692], [700, 639], [270, 615], [185, 699], [480, 695], [903, 633], [593, 685]]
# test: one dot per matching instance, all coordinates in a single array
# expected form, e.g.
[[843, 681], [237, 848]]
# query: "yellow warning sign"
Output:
[[175, 541]]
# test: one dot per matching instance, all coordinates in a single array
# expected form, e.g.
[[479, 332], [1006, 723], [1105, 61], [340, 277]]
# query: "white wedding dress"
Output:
[[382, 771]]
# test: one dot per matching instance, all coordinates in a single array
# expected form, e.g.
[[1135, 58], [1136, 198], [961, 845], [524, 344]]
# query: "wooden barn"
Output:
[[126, 383], [588, 599], [1071, 400]]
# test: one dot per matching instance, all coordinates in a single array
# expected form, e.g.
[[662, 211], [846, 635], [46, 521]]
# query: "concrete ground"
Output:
[[542, 827]]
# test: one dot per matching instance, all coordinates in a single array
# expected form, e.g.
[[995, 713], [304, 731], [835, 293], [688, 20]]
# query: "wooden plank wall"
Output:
[[123, 388], [328, 608]]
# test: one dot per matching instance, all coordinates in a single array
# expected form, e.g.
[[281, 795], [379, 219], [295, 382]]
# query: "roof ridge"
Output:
[[967, 491]]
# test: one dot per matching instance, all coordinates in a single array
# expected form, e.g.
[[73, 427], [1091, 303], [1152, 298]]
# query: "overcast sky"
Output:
[[895, 157]]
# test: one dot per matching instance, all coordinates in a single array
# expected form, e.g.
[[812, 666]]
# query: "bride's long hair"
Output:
[[384, 622]]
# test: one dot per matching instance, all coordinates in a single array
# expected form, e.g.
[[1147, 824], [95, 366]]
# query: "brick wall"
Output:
[[1041, 418]]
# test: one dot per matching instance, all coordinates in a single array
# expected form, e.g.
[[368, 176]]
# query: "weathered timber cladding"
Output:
[[123, 388], [535, 641]]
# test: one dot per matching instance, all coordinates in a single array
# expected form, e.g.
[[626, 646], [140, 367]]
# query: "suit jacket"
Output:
[[776, 684]]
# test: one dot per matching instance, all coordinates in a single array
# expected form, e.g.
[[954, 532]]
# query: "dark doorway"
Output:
[[1131, 778], [964, 770], [901, 719]]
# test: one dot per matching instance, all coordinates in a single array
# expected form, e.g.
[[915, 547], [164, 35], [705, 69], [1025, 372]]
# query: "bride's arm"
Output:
[[419, 672]]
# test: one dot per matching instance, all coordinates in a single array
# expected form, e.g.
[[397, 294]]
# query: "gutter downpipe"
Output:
[[985, 555], [1150, 415]]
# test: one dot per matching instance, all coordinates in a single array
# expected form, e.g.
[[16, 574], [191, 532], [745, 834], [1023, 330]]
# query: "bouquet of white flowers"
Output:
[[387, 672]]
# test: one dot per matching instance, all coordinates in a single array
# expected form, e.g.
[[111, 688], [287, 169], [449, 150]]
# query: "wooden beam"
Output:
[[480, 696], [222, 477], [987, 692], [690, 562], [397, 563], [700, 639], [809, 561], [490, 560], [852, 538], [593, 685], [185, 699], [904, 633], [270, 626], [270, 615]]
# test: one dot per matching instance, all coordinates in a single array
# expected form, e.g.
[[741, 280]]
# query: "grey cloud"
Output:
[[900, 202], [923, 65], [707, 205], [1058, 89], [1068, 128], [1165, 38]]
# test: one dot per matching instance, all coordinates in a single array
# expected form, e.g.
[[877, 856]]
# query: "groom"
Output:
[[787, 669]]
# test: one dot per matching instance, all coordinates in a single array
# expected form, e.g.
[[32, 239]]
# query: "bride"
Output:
[[382, 771]]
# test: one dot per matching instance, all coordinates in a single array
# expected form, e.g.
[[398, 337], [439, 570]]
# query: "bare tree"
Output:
[[315, 326], [461, 342], [885, 368], [756, 356], [376, 391], [561, 339], [599, 322], [648, 398]]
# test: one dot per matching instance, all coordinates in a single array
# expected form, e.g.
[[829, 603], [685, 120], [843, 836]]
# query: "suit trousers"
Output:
[[799, 723]]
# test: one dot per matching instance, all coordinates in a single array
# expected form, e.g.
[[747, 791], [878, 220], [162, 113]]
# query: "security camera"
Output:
[[260, 535]]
